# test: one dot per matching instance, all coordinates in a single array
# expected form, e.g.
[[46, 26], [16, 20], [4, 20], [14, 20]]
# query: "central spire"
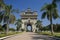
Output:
[[28, 9]]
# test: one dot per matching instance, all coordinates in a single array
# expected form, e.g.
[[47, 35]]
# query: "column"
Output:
[[33, 27], [23, 26]]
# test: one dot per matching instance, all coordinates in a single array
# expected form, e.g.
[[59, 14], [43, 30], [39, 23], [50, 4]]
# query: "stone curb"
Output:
[[8, 37]]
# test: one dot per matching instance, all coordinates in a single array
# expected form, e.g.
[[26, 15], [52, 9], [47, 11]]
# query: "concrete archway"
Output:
[[29, 18], [29, 28]]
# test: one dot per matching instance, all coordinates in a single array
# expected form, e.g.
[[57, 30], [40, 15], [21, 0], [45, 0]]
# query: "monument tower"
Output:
[[29, 18]]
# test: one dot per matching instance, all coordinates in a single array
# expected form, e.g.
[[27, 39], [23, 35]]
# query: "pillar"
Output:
[[23, 26], [33, 27]]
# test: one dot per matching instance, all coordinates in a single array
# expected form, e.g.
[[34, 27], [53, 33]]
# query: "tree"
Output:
[[50, 11], [19, 24], [56, 0], [1, 17], [8, 17], [45, 28], [2, 6], [57, 28], [6, 14], [39, 25], [1, 28], [11, 29], [4, 27]]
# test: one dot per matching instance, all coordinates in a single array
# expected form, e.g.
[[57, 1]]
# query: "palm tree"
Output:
[[2, 6], [50, 11], [8, 16], [6, 13], [4, 27], [39, 25], [19, 24]]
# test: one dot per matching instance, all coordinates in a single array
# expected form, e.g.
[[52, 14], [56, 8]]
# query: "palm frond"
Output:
[[1, 17], [43, 15], [56, 0], [54, 5], [5, 19], [15, 10], [38, 24], [44, 7], [18, 23], [12, 19], [55, 14], [48, 15], [8, 9]]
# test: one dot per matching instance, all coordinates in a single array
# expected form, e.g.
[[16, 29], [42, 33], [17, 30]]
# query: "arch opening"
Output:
[[29, 28]]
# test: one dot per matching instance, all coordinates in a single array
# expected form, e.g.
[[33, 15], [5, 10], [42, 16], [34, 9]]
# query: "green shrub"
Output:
[[22, 30]]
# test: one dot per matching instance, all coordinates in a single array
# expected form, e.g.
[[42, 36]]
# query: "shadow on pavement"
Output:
[[42, 37]]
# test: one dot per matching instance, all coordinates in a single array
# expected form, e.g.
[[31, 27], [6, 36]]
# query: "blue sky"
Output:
[[35, 5]]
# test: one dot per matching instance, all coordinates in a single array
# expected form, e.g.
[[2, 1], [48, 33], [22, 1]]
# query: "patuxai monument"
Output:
[[29, 18]]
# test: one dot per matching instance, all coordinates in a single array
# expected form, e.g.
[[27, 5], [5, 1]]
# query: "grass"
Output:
[[10, 33], [44, 33], [56, 34], [2, 35]]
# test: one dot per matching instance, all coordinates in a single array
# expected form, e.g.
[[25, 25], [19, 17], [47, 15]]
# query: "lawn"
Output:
[[10, 33], [56, 34]]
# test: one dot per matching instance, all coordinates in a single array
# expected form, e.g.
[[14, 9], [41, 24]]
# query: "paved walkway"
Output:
[[30, 36]]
